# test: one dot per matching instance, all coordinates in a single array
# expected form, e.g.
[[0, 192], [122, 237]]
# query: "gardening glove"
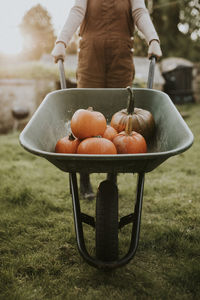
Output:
[[154, 49], [59, 51]]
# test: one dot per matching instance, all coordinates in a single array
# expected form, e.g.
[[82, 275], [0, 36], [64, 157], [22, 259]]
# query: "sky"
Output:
[[12, 12]]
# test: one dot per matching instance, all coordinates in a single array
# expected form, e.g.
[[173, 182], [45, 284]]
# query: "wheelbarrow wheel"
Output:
[[107, 221]]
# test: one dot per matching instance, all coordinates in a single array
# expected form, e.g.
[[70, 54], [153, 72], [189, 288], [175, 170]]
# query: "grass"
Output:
[[38, 253], [32, 70]]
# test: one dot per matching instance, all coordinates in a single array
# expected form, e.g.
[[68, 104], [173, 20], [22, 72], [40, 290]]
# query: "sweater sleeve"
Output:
[[73, 21], [143, 21]]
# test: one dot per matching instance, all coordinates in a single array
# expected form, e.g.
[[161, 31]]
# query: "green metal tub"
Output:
[[52, 121]]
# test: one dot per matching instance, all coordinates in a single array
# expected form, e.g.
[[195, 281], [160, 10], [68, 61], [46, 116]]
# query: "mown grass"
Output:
[[38, 253], [32, 70]]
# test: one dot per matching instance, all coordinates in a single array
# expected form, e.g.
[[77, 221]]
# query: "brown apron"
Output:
[[106, 45]]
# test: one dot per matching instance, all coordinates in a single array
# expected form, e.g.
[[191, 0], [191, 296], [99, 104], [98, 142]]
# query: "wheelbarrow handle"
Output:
[[151, 72], [62, 74], [149, 82]]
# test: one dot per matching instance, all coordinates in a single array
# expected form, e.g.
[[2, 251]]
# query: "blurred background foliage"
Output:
[[176, 21], [178, 27], [38, 32]]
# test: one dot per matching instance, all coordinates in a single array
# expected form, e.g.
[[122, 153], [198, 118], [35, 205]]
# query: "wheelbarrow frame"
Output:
[[80, 218], [134, 218], [139, 164]]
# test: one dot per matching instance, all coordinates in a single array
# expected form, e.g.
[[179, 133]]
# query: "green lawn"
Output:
[[38, 253], [31, 70]]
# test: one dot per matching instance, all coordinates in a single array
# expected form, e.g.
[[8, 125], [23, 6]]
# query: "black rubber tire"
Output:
[[107, 221]]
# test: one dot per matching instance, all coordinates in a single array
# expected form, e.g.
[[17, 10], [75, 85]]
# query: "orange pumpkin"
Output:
[[142, 120], [87, 123], [96, 145], [67, 144], [129, 141], [109, 133]]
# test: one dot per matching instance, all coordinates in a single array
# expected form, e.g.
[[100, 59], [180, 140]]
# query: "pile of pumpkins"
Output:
[[127, 133]]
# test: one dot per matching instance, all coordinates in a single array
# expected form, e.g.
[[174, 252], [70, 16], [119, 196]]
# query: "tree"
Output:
[[38, 32], [177, 24], [190, 18]]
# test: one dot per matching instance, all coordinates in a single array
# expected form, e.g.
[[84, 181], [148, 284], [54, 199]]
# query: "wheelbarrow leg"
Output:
[[137, 214], [135, 219], [79, 218], [77, 212]]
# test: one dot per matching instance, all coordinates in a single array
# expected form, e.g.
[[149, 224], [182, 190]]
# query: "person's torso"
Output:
[[108, 19]]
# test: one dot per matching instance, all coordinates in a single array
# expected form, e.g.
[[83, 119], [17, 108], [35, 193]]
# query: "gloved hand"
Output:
[[59, 52], [154, 49]]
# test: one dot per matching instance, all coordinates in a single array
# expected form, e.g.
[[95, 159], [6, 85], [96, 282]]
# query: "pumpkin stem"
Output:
[[129, 126], [131, 102], [71, 137]]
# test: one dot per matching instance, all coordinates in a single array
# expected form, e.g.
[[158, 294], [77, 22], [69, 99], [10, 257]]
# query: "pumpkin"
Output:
[[96, 145], [109, 133], [67, 144], [142, 120], [87, 123], [129, 141]]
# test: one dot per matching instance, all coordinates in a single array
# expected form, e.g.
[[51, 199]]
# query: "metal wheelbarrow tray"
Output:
[[51, 122]]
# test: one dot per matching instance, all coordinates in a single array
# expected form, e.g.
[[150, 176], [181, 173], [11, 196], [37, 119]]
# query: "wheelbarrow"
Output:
[[51, 121]]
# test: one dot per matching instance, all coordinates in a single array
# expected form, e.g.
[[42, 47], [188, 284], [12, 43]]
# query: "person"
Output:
[[105, 58]]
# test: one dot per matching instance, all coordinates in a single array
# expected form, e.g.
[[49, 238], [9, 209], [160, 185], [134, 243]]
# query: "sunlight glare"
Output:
[[12, 41], [11, 14]]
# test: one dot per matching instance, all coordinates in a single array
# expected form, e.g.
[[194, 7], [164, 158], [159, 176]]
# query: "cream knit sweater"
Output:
[[139, 11]]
